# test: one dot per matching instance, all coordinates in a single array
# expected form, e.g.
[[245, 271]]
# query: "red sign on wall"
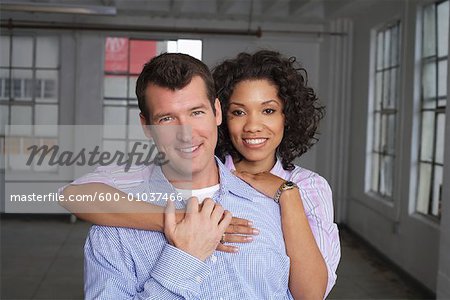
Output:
[[127, 56], [116, 55], [140, 53]]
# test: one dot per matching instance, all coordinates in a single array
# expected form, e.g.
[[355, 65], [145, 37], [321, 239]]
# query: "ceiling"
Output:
[[249, 11]]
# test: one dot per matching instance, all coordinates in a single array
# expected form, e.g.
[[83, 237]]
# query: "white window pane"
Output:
[[384, 133], [429, 83], [378, 90], [115, 87], [442, 32], [442, 102], [376, 132], [390, 134], [386, 176], [375, 172], [394, 45], [172, 47], [4, 116], [423, 197], [22, 85], [114, 102], [429, 31], [387, 48], [134, 130], [394, 88], [46, 86], [163, 46], [21, 115], [45, 166], [22, 51], [132, 87], [442, 83], [191, 47], [46, 115], [380, 50], [17, 159], [47, 52], [386, 86], [427, 135], [113, 146], [440, 138], [4, 51], [5, 84], [115, 116], [437, 191]]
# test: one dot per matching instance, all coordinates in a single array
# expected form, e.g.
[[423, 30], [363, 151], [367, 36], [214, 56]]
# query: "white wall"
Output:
[[411, 241]]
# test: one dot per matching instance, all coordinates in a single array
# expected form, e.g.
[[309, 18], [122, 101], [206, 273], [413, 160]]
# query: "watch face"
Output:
[[289, 184]]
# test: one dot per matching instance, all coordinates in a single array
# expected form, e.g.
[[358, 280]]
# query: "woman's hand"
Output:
[[239, 231], [265, 182]]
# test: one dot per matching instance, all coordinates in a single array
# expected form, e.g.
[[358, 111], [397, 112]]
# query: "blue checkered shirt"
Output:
[[123, 263]]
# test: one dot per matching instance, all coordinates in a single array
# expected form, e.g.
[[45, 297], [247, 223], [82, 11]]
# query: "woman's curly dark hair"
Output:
[[300, 104]]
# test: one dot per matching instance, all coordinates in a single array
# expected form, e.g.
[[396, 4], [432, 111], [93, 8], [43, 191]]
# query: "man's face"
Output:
[[186, 128]]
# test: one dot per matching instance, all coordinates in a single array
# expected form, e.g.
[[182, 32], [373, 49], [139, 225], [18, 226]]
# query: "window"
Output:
[[384, 110], [433, 96], [124, 59], [29, 72]]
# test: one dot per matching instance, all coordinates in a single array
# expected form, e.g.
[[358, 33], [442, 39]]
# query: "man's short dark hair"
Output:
[[173, 71]]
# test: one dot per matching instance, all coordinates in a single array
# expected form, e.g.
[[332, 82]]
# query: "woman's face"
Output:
[[255, 120]]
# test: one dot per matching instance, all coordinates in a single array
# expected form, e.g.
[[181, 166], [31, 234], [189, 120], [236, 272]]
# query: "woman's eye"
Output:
[[237, 112], [269, 111]]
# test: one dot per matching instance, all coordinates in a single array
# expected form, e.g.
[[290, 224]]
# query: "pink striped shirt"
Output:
[[316, 195]]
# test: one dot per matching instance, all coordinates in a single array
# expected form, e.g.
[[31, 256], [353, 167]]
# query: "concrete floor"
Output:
[[42, 258]]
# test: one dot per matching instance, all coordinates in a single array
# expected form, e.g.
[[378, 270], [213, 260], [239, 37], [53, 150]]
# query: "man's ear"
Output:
[[218, 108], [145, 126]]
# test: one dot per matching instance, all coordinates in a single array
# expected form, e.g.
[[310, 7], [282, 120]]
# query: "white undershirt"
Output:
[[201, 194]]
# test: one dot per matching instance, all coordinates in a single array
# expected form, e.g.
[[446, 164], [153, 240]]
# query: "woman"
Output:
[[270, 117]]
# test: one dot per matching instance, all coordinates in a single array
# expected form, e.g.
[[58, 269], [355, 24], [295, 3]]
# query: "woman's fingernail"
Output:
[[249, 238], [235, 249], [255, 231], [249, 223]]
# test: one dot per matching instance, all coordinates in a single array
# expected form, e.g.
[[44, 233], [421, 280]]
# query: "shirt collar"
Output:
[[277, 168], [228, 182], [232, 184]]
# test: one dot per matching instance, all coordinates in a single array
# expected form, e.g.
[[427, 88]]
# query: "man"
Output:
[[120, 263]]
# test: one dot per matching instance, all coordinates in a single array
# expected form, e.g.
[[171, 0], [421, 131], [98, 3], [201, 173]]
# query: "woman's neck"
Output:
[[254, 167]]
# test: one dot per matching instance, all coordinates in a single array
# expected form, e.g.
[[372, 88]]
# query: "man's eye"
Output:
[[237, 112], [269, 111], [198, 113], [165, 119]]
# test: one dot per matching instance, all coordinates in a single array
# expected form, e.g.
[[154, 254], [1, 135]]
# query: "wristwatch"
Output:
[[287, 185]]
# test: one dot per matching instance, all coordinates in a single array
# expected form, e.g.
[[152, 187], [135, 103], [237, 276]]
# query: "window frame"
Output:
[[422, 61], [374, 109]]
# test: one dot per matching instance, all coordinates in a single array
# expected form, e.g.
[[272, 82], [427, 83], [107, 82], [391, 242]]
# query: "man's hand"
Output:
[[200, 231]]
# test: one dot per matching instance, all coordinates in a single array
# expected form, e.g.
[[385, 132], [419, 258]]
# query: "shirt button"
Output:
[[213, 259], [198, 279]]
